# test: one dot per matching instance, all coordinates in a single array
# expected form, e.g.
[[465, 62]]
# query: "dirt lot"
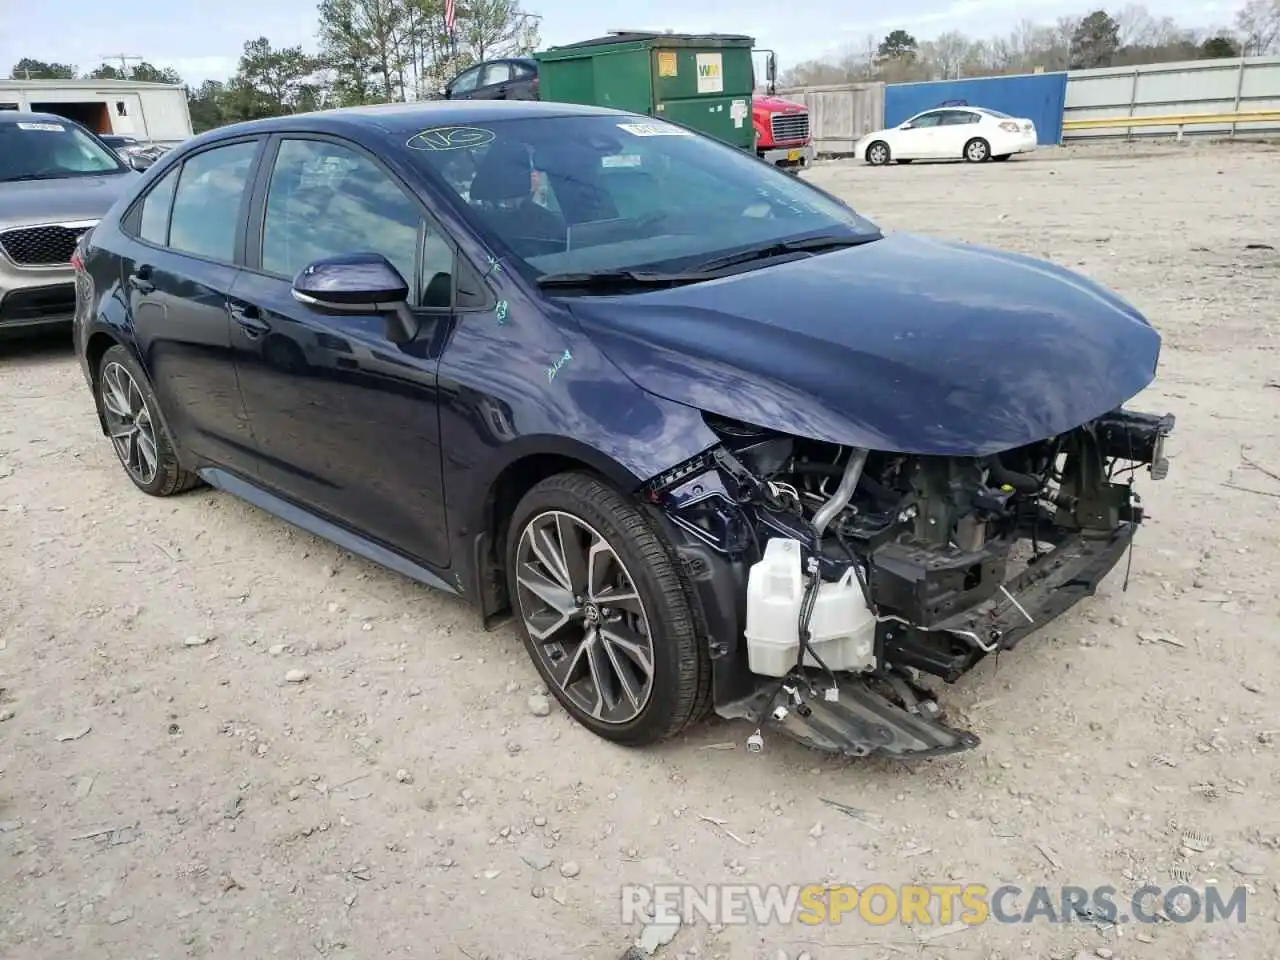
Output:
[[159, 799]]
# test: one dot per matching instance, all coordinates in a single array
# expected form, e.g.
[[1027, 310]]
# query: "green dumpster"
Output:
[[703, 82]]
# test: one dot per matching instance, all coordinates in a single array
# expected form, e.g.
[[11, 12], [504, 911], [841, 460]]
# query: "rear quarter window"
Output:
[[153, 223]]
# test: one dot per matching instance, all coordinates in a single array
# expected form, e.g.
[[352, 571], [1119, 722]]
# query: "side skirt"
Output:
[[325, 529]]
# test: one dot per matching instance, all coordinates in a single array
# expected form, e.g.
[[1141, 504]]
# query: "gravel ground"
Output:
[[161, 797]]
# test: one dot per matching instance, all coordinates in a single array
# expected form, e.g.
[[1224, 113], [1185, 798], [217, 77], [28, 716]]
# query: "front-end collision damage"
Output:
[[833, 579]]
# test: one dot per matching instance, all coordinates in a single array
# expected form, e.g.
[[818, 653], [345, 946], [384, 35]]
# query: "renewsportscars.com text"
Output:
[[930, 904]]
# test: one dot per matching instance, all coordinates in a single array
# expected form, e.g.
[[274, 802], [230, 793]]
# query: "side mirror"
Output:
[[358, 283], [445, 93], [771, 69], [137, 163]]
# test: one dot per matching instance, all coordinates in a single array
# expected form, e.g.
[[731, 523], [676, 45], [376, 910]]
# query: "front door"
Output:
[[463, 86], [916, 141], [178, 271], [346, 421]]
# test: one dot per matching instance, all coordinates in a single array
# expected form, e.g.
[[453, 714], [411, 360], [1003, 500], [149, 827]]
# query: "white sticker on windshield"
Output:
[[654, 130], [621, 160], [48, 127]]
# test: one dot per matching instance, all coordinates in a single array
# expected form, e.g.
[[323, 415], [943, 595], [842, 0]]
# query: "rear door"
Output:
[[524, 81], [346, 421], [179, 262], [956, 128]]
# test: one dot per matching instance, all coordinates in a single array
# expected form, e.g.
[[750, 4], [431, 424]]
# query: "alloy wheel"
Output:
[[129, 423], [976, 152], [585, 617], [878, 153]]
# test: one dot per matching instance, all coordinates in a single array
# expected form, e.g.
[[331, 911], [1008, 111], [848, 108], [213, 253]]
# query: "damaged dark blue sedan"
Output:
[[711, 438]]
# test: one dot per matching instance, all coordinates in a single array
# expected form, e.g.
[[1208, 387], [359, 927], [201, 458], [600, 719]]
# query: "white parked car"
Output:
[[975, 134]]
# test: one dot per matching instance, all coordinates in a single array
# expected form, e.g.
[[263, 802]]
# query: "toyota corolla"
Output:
[[712, 439]]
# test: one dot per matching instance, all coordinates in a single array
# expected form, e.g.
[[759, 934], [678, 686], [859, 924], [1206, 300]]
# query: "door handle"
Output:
[[249, 317], [140, 280]]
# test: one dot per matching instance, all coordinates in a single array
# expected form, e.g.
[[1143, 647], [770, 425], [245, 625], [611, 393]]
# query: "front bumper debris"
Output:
[[902, 721], [1045, 590], [954, 558]]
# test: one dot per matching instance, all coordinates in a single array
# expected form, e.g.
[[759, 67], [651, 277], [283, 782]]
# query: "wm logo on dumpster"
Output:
[[710, 73]]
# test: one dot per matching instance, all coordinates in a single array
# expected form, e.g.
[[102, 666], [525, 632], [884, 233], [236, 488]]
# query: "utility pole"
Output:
[[124, 61]]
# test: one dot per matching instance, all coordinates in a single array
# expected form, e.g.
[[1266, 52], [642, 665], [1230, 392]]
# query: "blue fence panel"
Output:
[[1040, 97]]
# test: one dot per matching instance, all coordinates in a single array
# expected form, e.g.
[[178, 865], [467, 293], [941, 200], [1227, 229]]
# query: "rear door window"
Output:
[[208, 200], [499, 72]]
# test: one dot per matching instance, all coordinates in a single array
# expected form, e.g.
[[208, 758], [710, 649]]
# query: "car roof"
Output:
[[381, 120], [22, 116], [512, 59]]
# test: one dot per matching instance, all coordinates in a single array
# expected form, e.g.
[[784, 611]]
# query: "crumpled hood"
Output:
[[905, 344], [778, 105], [68, 199]]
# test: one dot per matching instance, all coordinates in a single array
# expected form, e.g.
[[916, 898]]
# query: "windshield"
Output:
[[606, 193], [47, 149]]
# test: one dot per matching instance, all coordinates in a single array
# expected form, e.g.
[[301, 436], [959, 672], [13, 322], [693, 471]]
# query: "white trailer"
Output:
[[155, 112]]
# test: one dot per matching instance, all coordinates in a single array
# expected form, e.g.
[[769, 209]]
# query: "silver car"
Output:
[[56, 182]]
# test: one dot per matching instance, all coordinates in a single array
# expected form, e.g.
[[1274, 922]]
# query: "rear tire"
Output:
[[603, 612], [137, 430], [977, 150], [878, 154]]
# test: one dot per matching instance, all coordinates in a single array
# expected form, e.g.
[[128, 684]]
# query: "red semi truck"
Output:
[[782, 127]]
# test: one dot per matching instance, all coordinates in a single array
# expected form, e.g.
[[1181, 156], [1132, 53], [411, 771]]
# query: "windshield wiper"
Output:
[[61, 175], [783, 247], [707, 270], [617, 279]]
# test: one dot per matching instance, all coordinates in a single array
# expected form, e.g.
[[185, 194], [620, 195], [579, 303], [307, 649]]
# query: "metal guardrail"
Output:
[[1178, 120]]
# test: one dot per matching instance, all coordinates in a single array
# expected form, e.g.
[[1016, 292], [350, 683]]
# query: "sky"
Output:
[[202, 39]]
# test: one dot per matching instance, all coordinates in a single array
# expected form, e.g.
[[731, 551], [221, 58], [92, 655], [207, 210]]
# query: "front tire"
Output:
[[603, 612], [137, 432], [878, 154], [977, 150]]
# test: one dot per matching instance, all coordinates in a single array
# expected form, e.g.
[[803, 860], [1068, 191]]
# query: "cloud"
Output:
[[196, 70]]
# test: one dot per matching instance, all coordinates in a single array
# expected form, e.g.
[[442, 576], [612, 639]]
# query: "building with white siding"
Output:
[[149, 111]]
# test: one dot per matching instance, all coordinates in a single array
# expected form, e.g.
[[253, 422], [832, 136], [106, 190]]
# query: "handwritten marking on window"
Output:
[[558, 365], [500, 312], [449, 138]]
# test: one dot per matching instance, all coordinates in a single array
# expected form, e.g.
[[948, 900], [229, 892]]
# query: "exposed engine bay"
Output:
[[864, 570]]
